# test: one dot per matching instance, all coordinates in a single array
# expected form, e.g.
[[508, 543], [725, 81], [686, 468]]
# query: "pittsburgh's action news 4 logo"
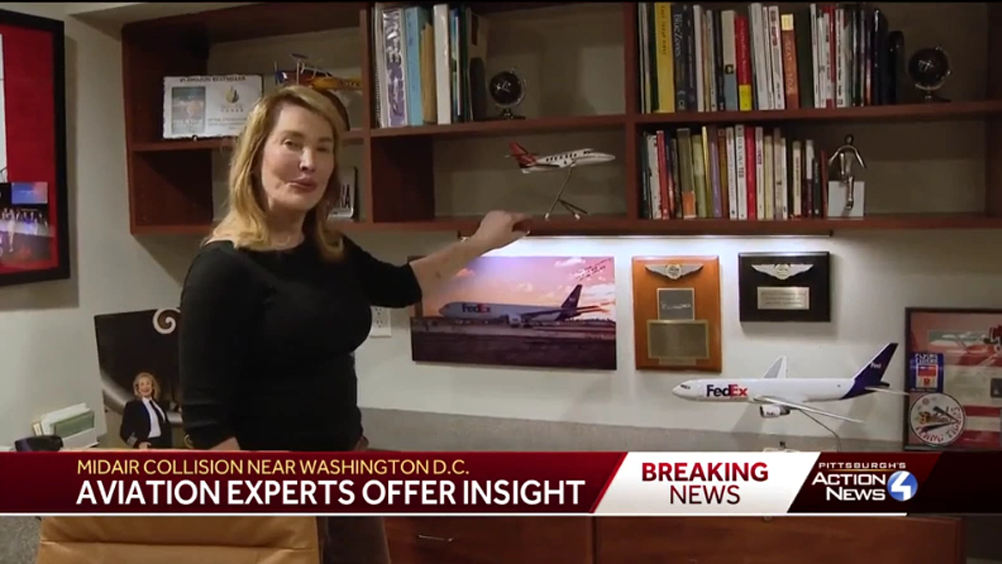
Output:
[[902, 485], [866, 481]]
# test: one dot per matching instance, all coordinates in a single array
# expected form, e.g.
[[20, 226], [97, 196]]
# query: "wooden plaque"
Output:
[[676, 313]]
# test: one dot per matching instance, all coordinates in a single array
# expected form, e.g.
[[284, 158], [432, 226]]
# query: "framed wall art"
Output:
[[34, 237], [953, 376], [525, 311]]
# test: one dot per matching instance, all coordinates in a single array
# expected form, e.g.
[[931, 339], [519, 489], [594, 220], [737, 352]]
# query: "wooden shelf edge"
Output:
[[216, 143], [622, 226], [513, 126], [911, 112]]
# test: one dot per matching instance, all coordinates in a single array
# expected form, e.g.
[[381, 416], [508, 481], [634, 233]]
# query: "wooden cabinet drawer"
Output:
[[490, 540], [779, 540]]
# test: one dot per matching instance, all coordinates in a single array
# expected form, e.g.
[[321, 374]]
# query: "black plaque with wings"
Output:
[[785, 286]]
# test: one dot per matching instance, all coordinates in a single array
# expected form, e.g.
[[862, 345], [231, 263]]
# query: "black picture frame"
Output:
[[938, 337], [24, 265], [753, 274]]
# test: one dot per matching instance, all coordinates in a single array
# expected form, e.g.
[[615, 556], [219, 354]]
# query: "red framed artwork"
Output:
[[953, 364], [34, 239]]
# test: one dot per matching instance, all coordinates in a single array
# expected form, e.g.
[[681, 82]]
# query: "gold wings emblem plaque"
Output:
[[784, 286], [676, 313]]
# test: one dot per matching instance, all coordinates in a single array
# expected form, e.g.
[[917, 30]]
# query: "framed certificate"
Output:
[[208, 106]]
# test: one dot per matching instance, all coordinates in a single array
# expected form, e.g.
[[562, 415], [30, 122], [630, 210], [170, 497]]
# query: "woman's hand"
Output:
[[500, 229], [497, 229]]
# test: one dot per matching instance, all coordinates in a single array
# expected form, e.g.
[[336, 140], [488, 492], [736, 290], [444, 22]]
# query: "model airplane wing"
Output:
[[801, 407], [886, 391]]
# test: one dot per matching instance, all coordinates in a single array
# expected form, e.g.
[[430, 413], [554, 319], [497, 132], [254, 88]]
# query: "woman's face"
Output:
[[145, 387], [297, 161]]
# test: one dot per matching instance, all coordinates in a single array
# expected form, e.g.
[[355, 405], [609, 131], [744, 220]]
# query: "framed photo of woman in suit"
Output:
[[144, 419]]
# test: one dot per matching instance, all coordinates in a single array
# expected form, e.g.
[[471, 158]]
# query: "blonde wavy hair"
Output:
[[146, 376], [245, 223]]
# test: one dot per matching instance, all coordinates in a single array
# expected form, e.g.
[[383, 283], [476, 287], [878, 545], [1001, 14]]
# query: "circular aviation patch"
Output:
[[937, 419]]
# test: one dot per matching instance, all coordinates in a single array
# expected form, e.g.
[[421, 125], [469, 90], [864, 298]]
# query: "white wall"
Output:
[[46, 330], [874, 278]]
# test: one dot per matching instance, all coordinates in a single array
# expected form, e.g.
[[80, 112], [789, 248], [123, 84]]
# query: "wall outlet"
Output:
[[380, 322]]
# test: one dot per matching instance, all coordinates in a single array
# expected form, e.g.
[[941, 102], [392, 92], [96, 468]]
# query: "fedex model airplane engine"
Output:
[[773, 410]]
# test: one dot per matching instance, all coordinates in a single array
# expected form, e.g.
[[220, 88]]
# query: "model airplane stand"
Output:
[[574, 210], [838, 439]]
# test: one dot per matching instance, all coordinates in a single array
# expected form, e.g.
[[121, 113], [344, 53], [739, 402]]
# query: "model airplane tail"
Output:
[[778, 368], [870, 377], [572, 299], [522, 157]]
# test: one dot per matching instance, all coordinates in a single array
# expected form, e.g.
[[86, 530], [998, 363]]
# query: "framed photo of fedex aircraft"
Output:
[[527, 311], [953, 377], [34, 237]]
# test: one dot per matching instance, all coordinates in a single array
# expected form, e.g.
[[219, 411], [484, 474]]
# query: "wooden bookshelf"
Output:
[[170, 181]]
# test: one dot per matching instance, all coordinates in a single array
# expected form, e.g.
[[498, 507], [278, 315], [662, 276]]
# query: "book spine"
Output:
[[746, 99], [789, 44], [741, 171], [443, 88], [412, 74], [760, 173], [680, 48], [395, 78], [775, 54], [663, 30], [733, 200]]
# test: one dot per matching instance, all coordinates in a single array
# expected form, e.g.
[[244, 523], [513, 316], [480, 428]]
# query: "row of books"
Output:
[[695, 58], [740, 172], [428, 64]]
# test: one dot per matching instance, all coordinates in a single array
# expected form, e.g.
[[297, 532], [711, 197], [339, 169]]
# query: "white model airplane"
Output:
[[517, 314], [530, 162], [778, 394]]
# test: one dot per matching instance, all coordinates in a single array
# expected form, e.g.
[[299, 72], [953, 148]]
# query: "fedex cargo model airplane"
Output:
[[517, 314], [777, 394]]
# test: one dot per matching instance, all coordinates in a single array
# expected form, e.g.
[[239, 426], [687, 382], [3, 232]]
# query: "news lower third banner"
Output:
[[503, 483]]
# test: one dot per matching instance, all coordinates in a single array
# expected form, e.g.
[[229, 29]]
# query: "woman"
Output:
[[144, 419], [275, 302]]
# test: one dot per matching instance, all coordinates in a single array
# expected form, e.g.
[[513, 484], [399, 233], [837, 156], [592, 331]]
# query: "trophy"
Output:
[[842, 203], [929, 68], [507, 90]]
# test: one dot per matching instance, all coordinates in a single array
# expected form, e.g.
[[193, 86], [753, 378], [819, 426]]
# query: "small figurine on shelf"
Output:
[[845, 154]]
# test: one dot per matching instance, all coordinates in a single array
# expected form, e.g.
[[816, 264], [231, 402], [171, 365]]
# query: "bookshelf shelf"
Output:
[[909, 113], [404, 171], [501, 127], [620, 225], [353, 136]]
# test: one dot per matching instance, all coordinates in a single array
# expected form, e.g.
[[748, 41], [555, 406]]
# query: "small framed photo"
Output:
[[345, 206]]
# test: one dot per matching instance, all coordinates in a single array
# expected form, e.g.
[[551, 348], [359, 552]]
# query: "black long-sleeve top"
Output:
[[267, 341]]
